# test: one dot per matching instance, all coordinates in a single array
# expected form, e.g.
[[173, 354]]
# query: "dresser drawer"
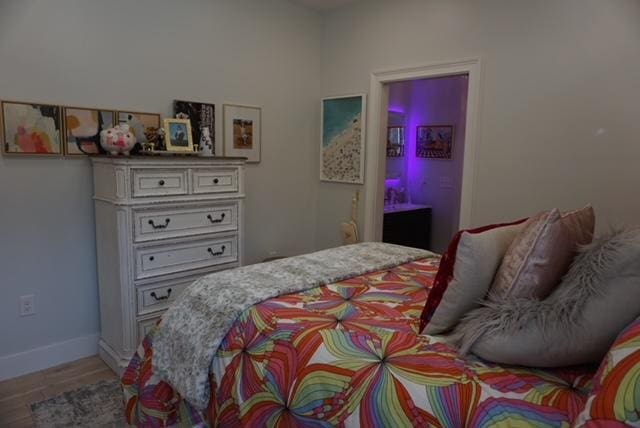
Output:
[[145, 326], [175, 258], [158, 182], [214, 180], [161, 223], [157, 297]]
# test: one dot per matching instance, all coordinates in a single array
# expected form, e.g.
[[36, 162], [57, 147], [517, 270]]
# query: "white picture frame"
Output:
[[342, 138], [242, 127]]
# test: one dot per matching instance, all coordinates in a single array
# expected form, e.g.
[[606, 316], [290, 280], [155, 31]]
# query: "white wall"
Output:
[[123, 54], [559, 100]]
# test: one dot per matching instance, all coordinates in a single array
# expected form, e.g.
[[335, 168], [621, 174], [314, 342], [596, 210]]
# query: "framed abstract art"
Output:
[[242, 131], [434, 142], [342, 139], [141, 123], [202, 117], [82, 127], [31, 129]]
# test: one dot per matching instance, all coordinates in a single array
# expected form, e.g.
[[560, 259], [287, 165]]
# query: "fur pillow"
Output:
[[576, 324]]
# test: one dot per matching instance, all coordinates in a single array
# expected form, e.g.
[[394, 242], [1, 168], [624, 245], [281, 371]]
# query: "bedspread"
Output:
[[349, 354]]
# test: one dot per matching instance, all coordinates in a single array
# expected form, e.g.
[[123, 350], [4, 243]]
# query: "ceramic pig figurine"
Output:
[[118, 139]]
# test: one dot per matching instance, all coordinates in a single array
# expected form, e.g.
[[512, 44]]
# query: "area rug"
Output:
[[96, 405]]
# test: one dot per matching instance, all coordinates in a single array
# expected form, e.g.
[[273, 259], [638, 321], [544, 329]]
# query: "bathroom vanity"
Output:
[[407, 224]]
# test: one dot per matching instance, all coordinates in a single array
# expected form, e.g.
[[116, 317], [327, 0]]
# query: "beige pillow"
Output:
[[477, 258], [542, 252]]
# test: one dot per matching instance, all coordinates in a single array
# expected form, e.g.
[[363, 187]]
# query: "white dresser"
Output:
[[161, 223]]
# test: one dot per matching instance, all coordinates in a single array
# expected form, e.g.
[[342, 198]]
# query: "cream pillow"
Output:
[[542, 252], [477, 258]]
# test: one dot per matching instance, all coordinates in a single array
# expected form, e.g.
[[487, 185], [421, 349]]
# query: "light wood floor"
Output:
[[17, 395]]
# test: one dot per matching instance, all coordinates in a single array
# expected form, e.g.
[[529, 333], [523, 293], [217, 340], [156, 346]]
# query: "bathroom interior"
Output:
[[425, 151]]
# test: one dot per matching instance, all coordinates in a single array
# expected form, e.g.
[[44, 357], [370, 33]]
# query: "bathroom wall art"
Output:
[[242, 131], [202, 116], [342, 139], [395, 141], [33, 129], [434, 141], [82, 127]]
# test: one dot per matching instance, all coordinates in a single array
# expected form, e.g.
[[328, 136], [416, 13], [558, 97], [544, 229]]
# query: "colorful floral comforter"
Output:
[[348, 354]]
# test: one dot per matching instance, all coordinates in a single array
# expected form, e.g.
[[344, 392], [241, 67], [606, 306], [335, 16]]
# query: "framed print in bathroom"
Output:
[[178, 136], [242, 131], [395, 141], [342, 139], [141, 123], [434, 142], [203, 120], [82, 127], [31, 129]]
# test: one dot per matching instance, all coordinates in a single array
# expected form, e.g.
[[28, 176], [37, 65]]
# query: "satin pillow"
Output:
[[465, 274], [542, 252]]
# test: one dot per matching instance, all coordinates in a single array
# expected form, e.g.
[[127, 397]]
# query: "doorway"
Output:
[[377, 142], [424, 159]]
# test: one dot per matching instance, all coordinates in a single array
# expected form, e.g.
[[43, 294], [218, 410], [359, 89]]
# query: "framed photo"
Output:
[[395, 141], [242, 131], [203, 120], [31, 129], [434, 142], [178, 137], [141, 124], [342, 139], [82, 127]]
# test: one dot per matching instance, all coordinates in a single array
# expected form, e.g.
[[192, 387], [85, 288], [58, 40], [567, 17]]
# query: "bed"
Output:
[[349, 354]]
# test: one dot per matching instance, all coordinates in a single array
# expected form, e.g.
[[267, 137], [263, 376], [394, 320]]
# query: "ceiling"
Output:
[[324, 5]]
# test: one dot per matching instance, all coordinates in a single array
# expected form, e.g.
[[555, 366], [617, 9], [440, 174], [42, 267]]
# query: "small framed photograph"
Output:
[[82, 127], [434, 142], [178, 135], [142, 124], [31, 129], [242, 131]]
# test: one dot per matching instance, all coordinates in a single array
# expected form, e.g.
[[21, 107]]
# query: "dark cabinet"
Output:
[[411, 228]]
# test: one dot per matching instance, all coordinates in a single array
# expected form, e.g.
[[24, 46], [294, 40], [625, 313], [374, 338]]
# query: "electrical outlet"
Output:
[[27, 305]]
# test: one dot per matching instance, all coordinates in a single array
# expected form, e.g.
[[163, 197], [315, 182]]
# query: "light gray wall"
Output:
[[140, 55], [559, 99]]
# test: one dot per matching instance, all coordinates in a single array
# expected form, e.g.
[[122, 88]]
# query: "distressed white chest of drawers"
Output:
[[161, 223]]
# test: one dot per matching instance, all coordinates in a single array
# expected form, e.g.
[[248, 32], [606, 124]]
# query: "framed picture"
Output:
[[178, 137], [395, 141], [242, 131], [203, 120], [29, 128], [342, 139], [434, 142], [82, 128], [141, 124]]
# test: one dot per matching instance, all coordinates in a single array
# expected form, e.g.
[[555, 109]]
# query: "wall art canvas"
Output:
[[242, 131], [31, 128], [342, 139], [144, 125], [82, 129], [178, 137], [434, 142], [203, 120]]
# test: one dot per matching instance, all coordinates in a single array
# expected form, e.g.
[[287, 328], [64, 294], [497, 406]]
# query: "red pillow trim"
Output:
[[445, 271]]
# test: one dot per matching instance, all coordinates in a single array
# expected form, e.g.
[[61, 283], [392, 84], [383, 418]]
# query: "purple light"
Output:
[[392, 182]]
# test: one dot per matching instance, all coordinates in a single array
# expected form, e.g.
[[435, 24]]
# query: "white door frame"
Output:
[[376, 158]]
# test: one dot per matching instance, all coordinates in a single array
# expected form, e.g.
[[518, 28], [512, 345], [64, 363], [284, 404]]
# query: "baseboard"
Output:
[[48, 356]]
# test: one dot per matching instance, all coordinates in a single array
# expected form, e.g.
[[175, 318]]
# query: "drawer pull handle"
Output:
[[216, 253], [151, 258], [160, 226], [217, 220], [153, 294], [216, 181], [161, 182]]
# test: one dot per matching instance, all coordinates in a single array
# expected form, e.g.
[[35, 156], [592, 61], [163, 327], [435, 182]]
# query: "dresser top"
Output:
[[167, 159]]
